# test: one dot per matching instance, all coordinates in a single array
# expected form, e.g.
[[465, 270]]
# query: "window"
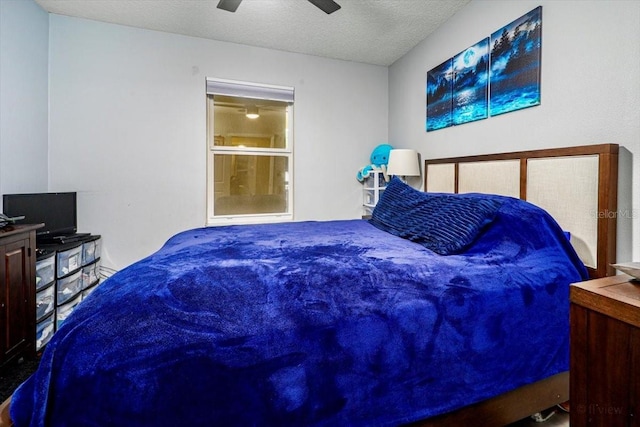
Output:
[[250, 152]]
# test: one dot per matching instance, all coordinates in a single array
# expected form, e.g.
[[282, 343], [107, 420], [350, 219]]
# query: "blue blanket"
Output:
[[310, 323]]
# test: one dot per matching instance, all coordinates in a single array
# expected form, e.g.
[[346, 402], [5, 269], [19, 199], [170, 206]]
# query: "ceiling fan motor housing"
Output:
[[327, 6]]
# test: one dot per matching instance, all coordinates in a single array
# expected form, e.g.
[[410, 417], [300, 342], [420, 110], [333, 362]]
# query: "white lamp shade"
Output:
[[403, 162]]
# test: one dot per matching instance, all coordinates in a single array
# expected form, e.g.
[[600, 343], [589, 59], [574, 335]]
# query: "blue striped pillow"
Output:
[[444, 223]]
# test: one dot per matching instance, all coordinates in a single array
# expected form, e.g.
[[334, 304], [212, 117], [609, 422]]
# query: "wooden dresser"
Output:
[[17, 291], [605, 352]]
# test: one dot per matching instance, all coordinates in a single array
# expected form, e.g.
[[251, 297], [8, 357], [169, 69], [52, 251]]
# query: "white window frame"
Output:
[[256, 91]]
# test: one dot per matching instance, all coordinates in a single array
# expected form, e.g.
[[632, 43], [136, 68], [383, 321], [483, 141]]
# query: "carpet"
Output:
[[14, 374]]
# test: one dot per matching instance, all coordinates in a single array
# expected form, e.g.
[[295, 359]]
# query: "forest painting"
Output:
[[515, 64], [439, 84]]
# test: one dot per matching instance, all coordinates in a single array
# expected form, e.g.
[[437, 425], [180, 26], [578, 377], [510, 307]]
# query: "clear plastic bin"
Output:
[[65, 310], [45, 271], [98, 251], [69, 260], [45, 302], [68, 287], [88, 252], [44, 332], [90, 275]]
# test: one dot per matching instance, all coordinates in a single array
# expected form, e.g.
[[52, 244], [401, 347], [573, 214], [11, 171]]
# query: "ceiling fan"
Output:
[[327, 6]]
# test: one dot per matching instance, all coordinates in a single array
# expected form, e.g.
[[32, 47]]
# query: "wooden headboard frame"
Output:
[[455, 175]]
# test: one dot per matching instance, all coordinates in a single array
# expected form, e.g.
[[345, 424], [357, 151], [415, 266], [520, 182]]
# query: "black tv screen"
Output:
[[57, 211]]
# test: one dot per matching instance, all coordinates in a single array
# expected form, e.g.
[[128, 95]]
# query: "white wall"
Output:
[[590, 91], [127, 114], [24, 34]]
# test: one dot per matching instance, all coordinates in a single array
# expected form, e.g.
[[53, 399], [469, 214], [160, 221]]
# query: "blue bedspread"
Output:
[[310, 323]]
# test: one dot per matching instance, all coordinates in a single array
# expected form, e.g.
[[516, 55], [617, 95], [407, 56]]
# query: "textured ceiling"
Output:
[[369, 31]]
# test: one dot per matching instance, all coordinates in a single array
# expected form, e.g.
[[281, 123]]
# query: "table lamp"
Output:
[[403, 163]]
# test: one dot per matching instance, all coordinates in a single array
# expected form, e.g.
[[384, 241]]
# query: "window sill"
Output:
[[248, 219]]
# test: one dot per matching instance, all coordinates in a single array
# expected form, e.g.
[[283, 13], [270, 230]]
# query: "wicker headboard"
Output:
[[578, 186]]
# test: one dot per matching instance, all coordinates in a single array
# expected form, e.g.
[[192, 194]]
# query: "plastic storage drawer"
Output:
[[44, 332], [45, 302], [65, 310], [88, 252], [45, 271], [90, 275], [98, 251], [69, 260], [68, 287]]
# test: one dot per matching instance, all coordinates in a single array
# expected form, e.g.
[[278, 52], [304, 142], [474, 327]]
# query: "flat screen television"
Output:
[[57, 211]]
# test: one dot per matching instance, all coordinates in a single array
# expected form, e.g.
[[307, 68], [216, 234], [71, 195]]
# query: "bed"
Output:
[[354, 322]]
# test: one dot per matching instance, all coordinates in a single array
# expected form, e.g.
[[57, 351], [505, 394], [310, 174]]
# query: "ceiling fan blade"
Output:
[[327, 6], [229, 5]]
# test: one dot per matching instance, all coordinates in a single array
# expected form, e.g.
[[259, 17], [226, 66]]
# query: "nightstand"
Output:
[[605, 352]]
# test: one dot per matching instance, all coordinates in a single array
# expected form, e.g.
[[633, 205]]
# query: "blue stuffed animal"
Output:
[[379, 160]]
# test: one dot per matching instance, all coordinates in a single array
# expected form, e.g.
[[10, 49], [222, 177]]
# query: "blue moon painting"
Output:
[[457, 89], [470, 84], [515, 64]]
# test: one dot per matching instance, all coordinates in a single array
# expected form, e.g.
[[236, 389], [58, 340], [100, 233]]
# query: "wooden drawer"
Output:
[[605, 353]]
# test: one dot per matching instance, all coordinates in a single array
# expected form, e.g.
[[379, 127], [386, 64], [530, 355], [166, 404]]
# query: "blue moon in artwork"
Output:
[[469, 57]]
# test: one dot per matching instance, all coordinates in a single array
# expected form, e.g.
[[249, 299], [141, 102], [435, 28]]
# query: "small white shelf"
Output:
[[374, 186]]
